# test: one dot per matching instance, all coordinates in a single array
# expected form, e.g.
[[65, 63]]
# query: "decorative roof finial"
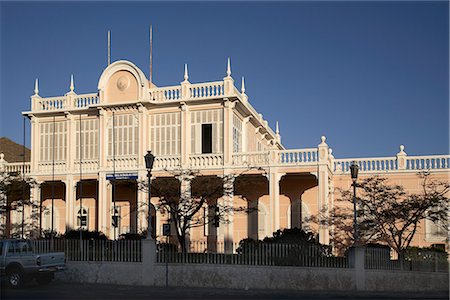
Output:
[[71, 83], [229, 68], [277, 128], [243, 86], [36, 87], [186, 75]]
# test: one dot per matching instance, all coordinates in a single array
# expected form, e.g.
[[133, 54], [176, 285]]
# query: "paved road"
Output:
[[105, 291]]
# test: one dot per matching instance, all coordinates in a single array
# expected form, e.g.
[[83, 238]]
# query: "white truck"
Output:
[[19, 263]]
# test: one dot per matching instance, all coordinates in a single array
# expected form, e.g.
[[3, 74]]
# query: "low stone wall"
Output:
[[383, 280], [125, 273], [255, 277], [252, 277]]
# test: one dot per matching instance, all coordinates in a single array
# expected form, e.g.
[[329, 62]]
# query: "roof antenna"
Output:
[[109, 47], [151, 55]]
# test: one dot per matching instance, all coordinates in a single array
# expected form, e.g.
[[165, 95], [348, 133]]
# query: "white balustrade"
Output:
[[205, 160], [86, 100], [430, 162], [53, 103], [206, 90], [367, 165], [17, 167], [251, 159], [166, 162], [166, 93], [297, 156]]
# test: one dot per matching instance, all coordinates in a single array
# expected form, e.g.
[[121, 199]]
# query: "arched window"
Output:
[[83, 218]]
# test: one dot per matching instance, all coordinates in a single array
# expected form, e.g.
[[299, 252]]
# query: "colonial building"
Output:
[[208, 127]]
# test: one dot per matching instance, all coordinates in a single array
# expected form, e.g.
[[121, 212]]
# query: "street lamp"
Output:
[[149, 159], [354, 173]]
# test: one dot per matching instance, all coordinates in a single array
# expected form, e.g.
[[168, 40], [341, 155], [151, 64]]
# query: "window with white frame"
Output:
[[83, 218], [89, 139], [165, 135], [237, 134], [53, 141], [213, 121], [125, 138]]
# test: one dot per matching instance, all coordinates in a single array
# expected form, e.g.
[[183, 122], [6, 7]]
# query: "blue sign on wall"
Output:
[[122, 176]]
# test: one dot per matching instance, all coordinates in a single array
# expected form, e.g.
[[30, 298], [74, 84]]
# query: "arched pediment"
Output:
[[122, 81]]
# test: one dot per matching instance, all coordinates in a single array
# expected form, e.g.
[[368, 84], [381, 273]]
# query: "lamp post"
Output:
[[354, 173], [149, 159]]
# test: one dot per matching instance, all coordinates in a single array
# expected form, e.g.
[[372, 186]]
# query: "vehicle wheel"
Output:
[[15, 278], [44, 279]]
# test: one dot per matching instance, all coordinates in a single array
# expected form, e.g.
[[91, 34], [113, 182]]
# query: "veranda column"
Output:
[[274, 199], [104, 197], [245, 134], [228, 197], [185, 190], [35, 200], [142, 204], [323, 205], [71, 194]]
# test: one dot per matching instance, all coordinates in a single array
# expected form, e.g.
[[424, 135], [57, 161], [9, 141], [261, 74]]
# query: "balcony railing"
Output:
[[295, 157]]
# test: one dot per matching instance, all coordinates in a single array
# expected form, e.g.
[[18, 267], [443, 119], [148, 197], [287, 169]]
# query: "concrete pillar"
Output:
[[148, 261], [357, 262], [323, 203], [401, 158]]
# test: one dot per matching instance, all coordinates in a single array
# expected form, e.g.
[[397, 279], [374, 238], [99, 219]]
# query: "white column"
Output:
[[185, 190], [35, 200], [228, 197], [104, 198], [71, 195], [245, 134], [34, 144], [142, 199], [185, 131], [228, 132], [274, 199], [103, 138], [323, 204]]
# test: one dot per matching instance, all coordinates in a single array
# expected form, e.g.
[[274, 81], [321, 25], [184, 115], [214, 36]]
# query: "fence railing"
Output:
[[92, 250], [251, 254], [423, 261]]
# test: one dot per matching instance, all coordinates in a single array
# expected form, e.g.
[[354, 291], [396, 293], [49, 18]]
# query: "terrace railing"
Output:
[[92, 250], [252, 254]]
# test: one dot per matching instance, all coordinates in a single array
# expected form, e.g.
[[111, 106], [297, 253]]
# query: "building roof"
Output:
[[13, 152]]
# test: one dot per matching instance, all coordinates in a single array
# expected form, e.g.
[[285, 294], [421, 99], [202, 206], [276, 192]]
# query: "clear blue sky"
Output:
[[368, 75]]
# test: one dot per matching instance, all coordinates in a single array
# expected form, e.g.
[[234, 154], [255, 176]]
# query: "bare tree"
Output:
[[186, 192], [14, 196], [387, 213]]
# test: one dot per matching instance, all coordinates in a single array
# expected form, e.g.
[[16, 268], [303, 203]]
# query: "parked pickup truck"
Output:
[[19, 263]]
